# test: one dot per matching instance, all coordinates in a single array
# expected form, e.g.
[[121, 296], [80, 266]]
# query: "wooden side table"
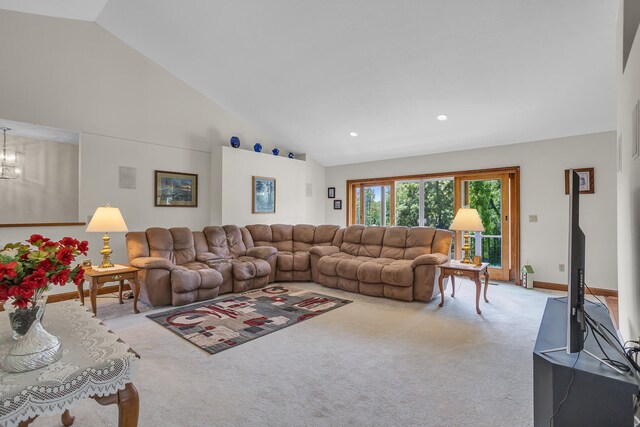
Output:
[[473, 272], [99, 278]]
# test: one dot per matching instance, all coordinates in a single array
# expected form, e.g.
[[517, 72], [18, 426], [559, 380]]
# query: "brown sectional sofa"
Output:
[[180, 266]]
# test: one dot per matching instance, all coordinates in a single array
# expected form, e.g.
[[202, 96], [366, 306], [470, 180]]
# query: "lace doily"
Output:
[[94, 363]]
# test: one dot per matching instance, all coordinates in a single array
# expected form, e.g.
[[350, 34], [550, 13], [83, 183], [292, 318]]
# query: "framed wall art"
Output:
[[263, 195], [176, 189], [337, 204], [586, 180], [331, 192]]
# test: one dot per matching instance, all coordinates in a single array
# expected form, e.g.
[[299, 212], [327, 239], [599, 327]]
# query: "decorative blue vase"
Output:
[[290, 155], [235, 142], [257, 148], [275, 151]]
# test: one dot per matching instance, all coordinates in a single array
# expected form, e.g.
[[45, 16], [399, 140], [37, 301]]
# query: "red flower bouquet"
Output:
[[26, 271]]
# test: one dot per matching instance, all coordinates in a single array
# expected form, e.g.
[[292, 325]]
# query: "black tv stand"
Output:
[[599, 396]]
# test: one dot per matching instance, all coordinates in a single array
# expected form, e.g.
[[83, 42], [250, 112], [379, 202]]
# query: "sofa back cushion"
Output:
[[261, 234], [234, 240], [137, 245], [324, 235], [351, 239], [217, 241], [371, 242], [394, 243], [160, 243], [184, 249], [442, 242], [246, 237], [303, 236], [200, 242], [282, 237], [419, 241]]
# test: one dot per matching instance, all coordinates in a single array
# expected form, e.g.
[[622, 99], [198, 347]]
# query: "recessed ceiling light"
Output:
[[442, 117], [353, 134]]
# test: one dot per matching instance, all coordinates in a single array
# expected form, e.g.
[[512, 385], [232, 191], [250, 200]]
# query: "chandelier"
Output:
[[8, 159]]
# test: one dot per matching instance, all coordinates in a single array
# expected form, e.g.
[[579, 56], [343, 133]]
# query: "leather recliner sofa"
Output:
[[394, 262]]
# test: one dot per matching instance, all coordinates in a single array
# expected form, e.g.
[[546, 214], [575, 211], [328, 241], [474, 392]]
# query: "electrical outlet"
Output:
[[533, 218], [560, 267]]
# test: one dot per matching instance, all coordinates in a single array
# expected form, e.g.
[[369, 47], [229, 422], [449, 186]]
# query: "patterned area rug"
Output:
[[227, 322]]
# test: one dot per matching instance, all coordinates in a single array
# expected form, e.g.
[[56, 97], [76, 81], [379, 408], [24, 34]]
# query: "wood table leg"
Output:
[[128, 403], [27, 422], [120, 285], [486, 285], [67, 419], [80, 287], [93, 292], [478, 290], [136, 293], [441, 289], [453, 285]]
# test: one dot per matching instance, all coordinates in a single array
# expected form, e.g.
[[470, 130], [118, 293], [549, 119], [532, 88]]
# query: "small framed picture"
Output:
[[176, 189], [86, 263], [586, 180], [263, 197], [331, 192], [477, 261], [337, 204]]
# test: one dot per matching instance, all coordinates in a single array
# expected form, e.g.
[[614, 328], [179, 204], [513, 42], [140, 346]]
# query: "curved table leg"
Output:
[[486, 285], [453, 285], [478, 289], [441, 289], [128, 403], [135, 287], [93, 292], [67, 419], [120, 285]]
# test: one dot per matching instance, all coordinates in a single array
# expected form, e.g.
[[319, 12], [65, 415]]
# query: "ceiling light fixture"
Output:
[[442, 117], [353, 134]]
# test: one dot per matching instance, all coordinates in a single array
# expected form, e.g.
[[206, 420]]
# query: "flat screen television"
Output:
[[576, 325]]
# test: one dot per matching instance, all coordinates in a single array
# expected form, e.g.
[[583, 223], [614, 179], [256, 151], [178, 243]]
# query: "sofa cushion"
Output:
[[327, 264], [217, 241], [419, 240], [303, 237], [282, 237], [351, 239], [184, 249], [324, 235], [371, 241], [160, 243], [301, 261], [348, 267], [261, 234], [245, 268], [398, 273], [285, 261], [234, 240], [209, 278], [137, 245], [394, 243], [371, 271]]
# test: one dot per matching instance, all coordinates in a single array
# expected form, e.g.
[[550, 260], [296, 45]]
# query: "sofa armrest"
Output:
[[324, 250], [262, 252], [152, 262], [430, 259], [207, 256]]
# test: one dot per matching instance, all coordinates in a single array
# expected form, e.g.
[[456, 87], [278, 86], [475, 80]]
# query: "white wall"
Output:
[[542, 165], [628, 86], [292, 176], [130, 112]]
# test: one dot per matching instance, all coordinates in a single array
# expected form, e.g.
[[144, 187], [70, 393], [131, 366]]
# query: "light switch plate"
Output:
[[533, 218]]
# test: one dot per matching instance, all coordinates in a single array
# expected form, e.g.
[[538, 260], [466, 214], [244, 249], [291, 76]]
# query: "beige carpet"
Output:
[[375, 362]]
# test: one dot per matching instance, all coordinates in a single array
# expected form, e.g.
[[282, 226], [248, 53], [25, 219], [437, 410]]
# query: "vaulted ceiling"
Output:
[[306, 73]]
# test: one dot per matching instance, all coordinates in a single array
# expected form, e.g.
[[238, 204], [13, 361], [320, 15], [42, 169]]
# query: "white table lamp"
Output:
[[107, 219], [467, 219]]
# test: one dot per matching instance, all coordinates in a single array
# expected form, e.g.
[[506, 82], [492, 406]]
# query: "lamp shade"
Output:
[[107, 219], [467, 219]]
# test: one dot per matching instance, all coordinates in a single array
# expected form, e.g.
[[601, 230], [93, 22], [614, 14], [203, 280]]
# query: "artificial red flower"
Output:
[[46, 264], [20, 303], [61, 277], [8, 270], [65, 255], [83, 247], [48, 244], [79, 277], [39, 277], [37, 238], [4, 292], [69, 241]]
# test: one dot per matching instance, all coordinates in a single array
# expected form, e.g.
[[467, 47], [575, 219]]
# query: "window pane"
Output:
[[486, 197], [387, 202], [407, 203], [372, 205], [438, 203]]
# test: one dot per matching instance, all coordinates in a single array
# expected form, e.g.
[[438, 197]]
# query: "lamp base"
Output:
[[106, 252], [465, 249]]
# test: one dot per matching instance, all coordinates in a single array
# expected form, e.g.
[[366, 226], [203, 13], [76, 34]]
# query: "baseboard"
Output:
[[66, 296], [561, 287]]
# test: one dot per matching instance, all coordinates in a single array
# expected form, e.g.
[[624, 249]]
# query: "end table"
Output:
[[473, 272], [99, 278]]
